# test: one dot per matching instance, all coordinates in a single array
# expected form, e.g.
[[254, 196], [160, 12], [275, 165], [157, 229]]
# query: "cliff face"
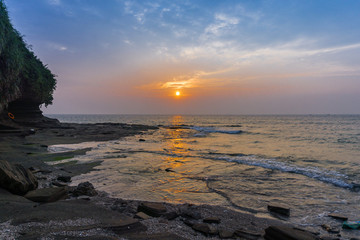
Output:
[[25, 82]]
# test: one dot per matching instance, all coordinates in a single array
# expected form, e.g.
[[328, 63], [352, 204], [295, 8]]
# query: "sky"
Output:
[[222, 56]]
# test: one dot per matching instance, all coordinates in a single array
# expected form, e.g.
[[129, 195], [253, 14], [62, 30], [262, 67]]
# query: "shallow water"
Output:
[[310, 163]]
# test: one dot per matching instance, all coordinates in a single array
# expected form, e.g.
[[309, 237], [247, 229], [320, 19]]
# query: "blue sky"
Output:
[[225, 57]]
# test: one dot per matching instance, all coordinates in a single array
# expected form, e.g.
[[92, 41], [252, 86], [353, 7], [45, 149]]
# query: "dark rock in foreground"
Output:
[[279, 209], [16, 178], [85, 188], [152, 209], [287, 233], [245, 234], [46, 195], [339, 217], [226, 234], [64, 178], [204, 228], [211, 220]]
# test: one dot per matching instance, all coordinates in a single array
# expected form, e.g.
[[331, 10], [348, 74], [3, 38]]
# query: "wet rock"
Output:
[[211, 220], [339, 217], [190, 213], [279, 209], [247, 234], [58, 184], [64, 178], [226, 234], [152, 209], [287, 233], [85, 188], [171, 215], [202, 227], [46, 195], [325, 227], [355, 187], [142, 216], [169, 170], [188, 222], [123, 225], [330, 229], [141, 140], [16, 179]]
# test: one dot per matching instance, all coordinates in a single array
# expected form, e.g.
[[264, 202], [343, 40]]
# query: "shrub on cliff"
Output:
[[22, 74]]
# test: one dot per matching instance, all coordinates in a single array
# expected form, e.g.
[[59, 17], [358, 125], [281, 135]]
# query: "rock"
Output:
[[87, 198], [226, 234], [16, 179], [191, 213], [142, 215], [123, 225], [64, 178], [355, 187], [46, 195], [188, 222], [326, 227], [202, 227], [84, 188], [171, 215], [279, 209], [141, 140], [152, 209], [211, 220], [339, 217], [287, 233], [247, 234], [58, 184], [169, 170]]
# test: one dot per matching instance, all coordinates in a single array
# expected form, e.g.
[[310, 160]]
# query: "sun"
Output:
[[177, 93]]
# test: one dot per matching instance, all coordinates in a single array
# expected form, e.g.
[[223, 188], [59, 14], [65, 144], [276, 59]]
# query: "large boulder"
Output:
[[287, 233], [46, 195], [16, 179]]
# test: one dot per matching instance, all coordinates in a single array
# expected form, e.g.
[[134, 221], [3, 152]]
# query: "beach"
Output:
[[102, 216]]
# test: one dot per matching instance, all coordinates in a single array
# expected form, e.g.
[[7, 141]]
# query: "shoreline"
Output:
[[76, 217]]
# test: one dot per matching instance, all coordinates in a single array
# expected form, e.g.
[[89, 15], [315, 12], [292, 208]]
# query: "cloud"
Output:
[[222, 22], [54, 2], [58, 47]]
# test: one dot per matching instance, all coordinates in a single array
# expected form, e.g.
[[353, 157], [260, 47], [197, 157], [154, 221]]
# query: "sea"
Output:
[[310, 163]]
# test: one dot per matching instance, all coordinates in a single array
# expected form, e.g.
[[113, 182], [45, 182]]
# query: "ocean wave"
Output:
[[214, 130], [332, 177]]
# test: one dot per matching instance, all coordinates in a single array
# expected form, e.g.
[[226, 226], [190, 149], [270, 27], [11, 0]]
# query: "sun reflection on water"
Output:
[[174, 163]]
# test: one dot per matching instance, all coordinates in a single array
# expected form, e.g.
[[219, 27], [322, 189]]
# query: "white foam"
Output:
[[323, 175]]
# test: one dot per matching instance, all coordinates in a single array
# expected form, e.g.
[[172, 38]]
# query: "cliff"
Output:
[[25, 82]]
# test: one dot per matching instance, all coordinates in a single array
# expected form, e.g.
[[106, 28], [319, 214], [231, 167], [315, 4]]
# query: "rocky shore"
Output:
[[44, 206]]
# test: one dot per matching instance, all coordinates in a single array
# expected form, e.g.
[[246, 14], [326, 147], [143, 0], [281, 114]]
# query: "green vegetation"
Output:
[[22, 74]]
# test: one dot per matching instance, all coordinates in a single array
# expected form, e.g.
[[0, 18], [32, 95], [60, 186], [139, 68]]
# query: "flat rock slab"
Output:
[[248, 235], [339, 217], [142, 216], [279, 209], [152, 209], [287, 233], [46, 195], [123, 225], [205, 228], [16, 179], [226, 234], [211, 220]]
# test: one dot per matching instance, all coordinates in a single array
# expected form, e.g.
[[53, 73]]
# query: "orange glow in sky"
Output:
[[177, 93]]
